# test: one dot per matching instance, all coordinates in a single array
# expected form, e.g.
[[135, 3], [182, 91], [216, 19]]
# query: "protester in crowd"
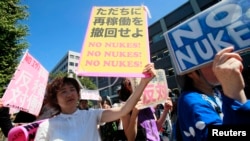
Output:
[[106, 103], [168, 128], [141, 124], [83, 104], [5, 120], [173, 115], [164, 130], [119, 134], [201, 104], [158, 110], [64, 94], [108, 130]]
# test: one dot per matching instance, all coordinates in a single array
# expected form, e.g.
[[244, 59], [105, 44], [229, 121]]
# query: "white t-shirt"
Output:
[[79, 126]]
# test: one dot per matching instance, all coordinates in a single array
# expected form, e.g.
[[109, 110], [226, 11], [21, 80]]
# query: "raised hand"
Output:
[[149, 70], [227, 67]]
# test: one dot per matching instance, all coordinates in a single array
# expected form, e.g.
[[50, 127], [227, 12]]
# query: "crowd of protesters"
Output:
[[212, 95]]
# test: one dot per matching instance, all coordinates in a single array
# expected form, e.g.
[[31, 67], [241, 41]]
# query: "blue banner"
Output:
[[195, 42]]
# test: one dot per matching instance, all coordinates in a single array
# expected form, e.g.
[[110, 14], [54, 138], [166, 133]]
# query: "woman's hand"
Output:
[[168, 106], [227, 67], [150, 72]]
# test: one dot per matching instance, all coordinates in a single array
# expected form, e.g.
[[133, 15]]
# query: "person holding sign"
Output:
[[141, 124], [203, 104], [72, 124]]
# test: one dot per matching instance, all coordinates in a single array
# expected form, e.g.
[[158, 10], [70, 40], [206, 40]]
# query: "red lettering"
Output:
[[148, 94], [161, 90]]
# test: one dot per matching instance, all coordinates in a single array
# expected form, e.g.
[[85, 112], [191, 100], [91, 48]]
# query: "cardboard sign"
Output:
[[90, 94], [25, 132], [195, 42], [156, 91], [26, 90], [116, 43]]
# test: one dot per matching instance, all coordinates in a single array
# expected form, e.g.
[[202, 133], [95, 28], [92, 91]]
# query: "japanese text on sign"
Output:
[[27, 88], [156, 91], [116, 42], [105, 17]]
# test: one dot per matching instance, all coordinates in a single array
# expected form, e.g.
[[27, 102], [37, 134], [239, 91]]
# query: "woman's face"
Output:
[[127, 84], [209, 75], [67, 97], [106, 105]]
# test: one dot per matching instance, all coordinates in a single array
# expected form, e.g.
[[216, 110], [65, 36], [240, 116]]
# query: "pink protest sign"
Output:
[[25, 132], [26, 90], [90, 94], [156, 91]]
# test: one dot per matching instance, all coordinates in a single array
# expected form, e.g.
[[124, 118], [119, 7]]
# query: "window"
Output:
[[76, 64], [170, 71], [77, 57], [160, 56], [104, 92], [71, 63], [157, 37], [71, 56], [166, 53], [154, 58]]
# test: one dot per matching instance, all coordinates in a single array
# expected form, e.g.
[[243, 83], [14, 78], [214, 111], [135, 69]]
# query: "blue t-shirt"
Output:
[[195, 113]]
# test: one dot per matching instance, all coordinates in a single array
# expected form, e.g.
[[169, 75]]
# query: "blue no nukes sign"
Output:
[[195, 42]]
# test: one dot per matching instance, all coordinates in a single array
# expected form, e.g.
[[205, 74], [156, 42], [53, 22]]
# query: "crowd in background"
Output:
[[184, 116]]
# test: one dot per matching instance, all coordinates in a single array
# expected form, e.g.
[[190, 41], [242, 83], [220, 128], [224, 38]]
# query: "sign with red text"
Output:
[[116, 43], [194, 43], [156, 91], [90, 94], [26, 89]]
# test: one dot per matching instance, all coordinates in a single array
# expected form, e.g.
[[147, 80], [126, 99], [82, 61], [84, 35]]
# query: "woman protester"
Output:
[[74, 124], [141, 124], [203, 103]]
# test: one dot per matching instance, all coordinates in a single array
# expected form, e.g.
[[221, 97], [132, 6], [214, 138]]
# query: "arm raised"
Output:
[[116, 113]]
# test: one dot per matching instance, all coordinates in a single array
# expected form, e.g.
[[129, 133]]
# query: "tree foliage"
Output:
[[12, 38], [88, 83], [58, 74], [84, 81]]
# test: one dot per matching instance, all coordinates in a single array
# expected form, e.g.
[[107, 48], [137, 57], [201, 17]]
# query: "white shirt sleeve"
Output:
[[42, 132]]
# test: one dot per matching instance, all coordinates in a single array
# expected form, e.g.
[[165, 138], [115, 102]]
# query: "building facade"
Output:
[[68, 64]]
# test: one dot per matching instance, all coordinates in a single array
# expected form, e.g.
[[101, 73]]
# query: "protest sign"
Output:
[[116, 43], [26, 89], [90, 94], [195, 42], [156, 91], [24, 132]]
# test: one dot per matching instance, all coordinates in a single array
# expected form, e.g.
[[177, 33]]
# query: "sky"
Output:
[[57, 26]]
